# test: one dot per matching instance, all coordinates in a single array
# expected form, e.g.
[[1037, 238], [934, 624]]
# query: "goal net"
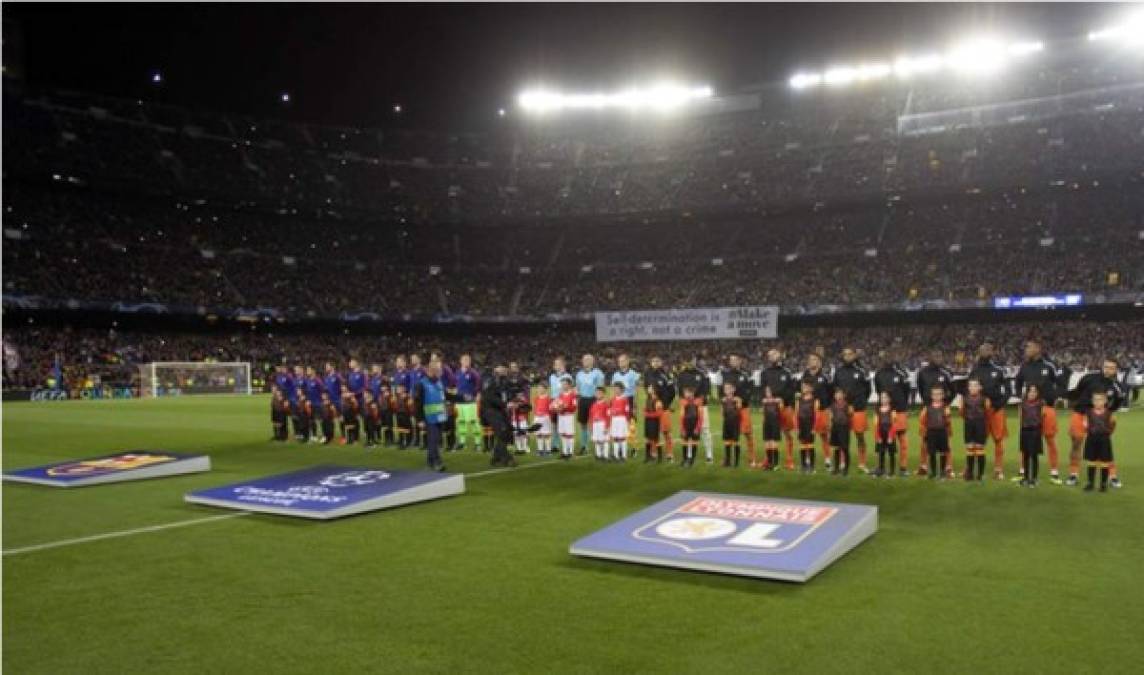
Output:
[[185, 378]]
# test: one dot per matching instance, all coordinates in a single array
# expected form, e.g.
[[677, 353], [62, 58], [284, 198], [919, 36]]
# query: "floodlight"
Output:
[[661, 97], [1129, 33], [804, 80], [977, 57], [1025, 48]]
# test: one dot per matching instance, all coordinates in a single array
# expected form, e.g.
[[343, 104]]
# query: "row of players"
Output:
[[393, 415]]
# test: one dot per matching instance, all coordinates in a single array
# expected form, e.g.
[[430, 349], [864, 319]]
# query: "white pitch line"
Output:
[[200, 521], [123, 533]]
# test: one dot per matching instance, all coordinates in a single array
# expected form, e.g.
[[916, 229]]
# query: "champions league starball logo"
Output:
[[354, 479]]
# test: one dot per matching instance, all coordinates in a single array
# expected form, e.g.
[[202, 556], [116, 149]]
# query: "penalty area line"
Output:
[[202, 521]]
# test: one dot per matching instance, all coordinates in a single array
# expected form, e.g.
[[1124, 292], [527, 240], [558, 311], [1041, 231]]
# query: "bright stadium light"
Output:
[[977, 57], [1025, 48], [804, 80], [1129, 33], [909, 66], [661, 97], [840, 76]]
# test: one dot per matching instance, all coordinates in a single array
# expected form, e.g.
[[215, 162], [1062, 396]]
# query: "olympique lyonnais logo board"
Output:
[[786, 539], [328, 492], [124, 466]]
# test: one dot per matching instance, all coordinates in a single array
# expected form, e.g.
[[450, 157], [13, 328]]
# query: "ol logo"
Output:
[[696, 528], [354, 478]]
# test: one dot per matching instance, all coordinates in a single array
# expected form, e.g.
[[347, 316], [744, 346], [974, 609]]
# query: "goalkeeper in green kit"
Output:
[[468, 388]]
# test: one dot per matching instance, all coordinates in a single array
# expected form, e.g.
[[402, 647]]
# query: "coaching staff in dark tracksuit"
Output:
[[853, 379]]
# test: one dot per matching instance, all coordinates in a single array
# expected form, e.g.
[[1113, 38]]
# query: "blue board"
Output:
[[787, 539], [329, 491], [122, 466]]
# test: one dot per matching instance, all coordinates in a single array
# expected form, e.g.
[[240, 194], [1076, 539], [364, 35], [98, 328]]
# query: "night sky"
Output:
[[453, 65]]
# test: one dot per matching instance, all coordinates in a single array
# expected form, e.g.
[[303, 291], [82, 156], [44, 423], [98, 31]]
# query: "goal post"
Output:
[[194, 378]]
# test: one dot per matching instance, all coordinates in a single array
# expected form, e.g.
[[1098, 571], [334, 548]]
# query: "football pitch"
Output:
[[960, 577]]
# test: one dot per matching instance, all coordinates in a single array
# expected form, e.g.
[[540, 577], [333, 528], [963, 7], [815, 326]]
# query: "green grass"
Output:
[[959, 577]]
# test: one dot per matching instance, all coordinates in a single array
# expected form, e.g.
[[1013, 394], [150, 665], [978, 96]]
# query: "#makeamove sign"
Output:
[[700, 323]]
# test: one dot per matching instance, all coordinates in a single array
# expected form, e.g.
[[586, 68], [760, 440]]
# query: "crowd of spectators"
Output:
[[76, 244], [881, 197]]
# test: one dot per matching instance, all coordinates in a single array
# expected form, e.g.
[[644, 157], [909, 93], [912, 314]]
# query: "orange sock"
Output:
[[825, 445], [923, 454], [1054, 456], [998, 456], [903, 452], [789, 452]]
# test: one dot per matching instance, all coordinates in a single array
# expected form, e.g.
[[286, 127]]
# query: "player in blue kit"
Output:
[[334, 384], [356, 382], [313, 389]]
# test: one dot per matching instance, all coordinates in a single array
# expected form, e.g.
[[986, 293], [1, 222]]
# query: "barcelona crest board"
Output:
[[123, 466], [785, 539]]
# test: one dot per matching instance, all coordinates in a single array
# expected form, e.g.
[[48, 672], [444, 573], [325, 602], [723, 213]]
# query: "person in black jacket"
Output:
[[893, 379], [851, 377], [496, 398], [994, 388], [663, 383], [1052, 381], [1105, 382], [782, 383], [933, 375]]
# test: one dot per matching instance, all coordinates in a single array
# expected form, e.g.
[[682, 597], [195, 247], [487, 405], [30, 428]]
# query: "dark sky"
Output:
[[453, 65]]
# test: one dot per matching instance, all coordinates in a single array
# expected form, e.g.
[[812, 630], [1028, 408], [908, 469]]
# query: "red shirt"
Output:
[[619, 407], [543, 406], [568, 403], [598, 412]]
